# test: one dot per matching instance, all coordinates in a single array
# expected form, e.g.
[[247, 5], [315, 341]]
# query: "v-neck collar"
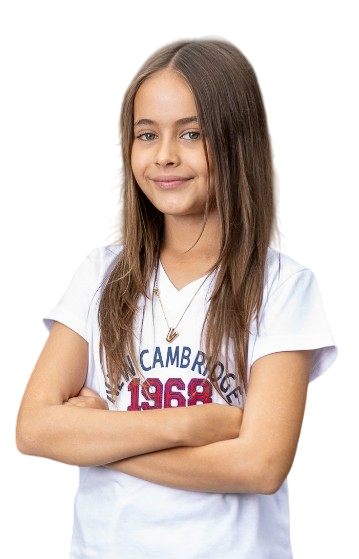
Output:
[[168, 285]]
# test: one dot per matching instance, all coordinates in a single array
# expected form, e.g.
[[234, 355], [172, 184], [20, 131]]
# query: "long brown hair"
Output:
[[232, 118]]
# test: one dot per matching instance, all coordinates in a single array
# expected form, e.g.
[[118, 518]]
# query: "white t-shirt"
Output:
[[119, 516]]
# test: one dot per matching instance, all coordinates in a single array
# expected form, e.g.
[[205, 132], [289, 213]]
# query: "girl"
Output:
[[192, 308]]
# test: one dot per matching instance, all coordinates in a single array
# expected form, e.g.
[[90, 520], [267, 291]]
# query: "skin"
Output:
[[164, 147]]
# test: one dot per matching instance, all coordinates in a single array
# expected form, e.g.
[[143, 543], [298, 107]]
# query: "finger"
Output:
[[88, 392]]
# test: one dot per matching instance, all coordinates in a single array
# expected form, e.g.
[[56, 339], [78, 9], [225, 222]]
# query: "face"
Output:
[[168, 158]]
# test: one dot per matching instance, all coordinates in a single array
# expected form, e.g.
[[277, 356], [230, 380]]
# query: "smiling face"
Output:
[[168, 158]]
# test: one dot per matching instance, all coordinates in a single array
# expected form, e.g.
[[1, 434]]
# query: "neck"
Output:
[[183, 237]]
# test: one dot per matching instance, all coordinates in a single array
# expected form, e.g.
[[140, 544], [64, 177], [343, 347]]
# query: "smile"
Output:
[[168, 182]]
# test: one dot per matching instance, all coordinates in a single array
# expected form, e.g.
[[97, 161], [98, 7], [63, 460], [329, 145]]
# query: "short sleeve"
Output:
[[73, 308], [293, 318]]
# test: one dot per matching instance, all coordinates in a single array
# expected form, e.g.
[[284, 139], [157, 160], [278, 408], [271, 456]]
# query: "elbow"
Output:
[[27, 437], [269, 486], [22, 448], [23, 443], [270, 477], [262, 471], [265, 485]]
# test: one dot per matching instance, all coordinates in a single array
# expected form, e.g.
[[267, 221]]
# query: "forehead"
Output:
[[164, 96]]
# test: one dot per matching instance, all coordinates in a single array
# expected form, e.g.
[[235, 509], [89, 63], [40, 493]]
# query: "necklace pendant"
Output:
[[172, 335]]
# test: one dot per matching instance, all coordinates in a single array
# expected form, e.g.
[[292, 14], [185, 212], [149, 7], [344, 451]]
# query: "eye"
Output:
[[146, 136], [192, 135]]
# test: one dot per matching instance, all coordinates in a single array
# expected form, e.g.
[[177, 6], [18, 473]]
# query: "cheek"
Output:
[[140, 164]]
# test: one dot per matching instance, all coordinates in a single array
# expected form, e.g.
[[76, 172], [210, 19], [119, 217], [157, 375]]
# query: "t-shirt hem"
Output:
[[325, 351], [68, 319]]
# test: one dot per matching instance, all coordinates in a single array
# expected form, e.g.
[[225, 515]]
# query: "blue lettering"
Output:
[[235, 393], [186, 352], [199, 362], [172, 358], [226, 384], [157, 358], [141, 360], [221, 366], [131, 371]]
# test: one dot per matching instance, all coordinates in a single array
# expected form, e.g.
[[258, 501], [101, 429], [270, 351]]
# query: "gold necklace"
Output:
[[173, 332]]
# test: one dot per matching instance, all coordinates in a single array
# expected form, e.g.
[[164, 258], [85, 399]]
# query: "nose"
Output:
[[167, 153]]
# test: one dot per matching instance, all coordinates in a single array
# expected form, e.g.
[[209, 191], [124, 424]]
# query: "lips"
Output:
[[167, 182], [169, 178]]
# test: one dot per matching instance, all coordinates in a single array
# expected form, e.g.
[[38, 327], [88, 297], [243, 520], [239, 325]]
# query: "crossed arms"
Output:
[[250, 451]]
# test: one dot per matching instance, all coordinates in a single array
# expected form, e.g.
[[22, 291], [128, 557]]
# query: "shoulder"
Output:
[[288, 284], [292, 316], [104, 254], [280, 268], [111, 250], [94, 270]]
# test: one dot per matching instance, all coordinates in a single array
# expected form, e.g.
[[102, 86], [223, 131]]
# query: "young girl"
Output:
[[192, 308]]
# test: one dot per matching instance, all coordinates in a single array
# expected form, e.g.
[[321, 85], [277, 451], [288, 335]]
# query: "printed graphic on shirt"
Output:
[[173, 376]]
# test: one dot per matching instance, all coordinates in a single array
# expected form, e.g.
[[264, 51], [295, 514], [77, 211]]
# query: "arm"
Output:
[[87, 437], [259, 460]]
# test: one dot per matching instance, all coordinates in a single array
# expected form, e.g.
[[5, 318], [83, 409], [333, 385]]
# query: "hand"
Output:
[[210, 423], [87, 398]]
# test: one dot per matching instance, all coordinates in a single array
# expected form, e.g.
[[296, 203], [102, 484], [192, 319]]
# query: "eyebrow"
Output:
[[181, 121]]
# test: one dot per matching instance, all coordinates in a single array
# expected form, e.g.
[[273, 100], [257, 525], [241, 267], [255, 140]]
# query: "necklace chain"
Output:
[[172, 332]]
